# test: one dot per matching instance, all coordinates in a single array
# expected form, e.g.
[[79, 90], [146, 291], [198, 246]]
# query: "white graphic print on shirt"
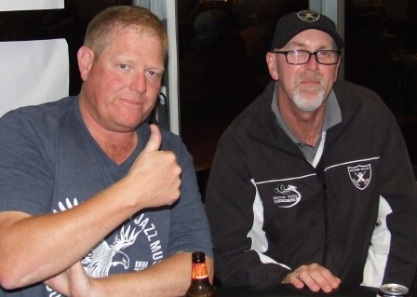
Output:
[[106, 256]]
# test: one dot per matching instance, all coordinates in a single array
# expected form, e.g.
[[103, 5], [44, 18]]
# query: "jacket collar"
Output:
[[263, 127]]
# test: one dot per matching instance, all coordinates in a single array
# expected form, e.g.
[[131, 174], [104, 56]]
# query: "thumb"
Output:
[[155, 139]]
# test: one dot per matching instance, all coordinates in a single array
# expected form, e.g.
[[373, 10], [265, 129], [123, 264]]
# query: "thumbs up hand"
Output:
[[155, 175], [155, 140]]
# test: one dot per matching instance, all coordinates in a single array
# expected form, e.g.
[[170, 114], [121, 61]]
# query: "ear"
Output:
[[271, 62], [85, 57], [336, 74]]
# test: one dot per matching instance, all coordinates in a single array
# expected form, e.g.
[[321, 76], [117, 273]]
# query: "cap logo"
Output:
[[308, 16]]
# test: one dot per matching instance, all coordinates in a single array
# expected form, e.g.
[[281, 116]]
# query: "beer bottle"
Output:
[[200, 284]]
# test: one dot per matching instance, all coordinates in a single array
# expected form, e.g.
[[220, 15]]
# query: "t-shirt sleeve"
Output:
[[189, 225], [26, 181]]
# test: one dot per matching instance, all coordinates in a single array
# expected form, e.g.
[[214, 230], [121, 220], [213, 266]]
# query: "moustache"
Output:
[[310, 77]]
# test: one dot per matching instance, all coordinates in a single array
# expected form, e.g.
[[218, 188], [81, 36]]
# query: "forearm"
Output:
[[399, 190], [171, 277], [402, 258], [247, 269], [46, 245]]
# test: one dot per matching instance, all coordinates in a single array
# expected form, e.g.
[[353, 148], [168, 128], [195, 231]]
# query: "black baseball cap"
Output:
[[291, 24]]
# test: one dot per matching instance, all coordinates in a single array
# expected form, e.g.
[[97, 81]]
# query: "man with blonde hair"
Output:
[[94, 201]]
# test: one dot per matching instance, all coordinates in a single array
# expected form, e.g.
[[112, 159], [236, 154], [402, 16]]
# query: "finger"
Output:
[[321, 279], [296, 281], [334, 281], [293, 279], [154, 142], [327, 280], [305, 277]]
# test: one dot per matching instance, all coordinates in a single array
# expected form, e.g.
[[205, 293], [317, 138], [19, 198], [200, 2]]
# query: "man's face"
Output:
[[121, 87], [307, 86]]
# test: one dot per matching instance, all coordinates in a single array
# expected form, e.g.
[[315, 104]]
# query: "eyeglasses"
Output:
[[300, 57]]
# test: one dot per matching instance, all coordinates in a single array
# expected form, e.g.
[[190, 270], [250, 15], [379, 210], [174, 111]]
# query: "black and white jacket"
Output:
[[355, 213]]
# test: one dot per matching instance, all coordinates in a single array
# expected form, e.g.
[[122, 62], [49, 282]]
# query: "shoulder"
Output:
[[174, 143], [170, 138], [363, 106], [353, 97], [43, 119], [346, 90], [39, 114], [170, 141], [256, 121]]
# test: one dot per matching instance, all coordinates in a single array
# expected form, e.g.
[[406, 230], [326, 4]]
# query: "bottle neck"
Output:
[[199, 271]]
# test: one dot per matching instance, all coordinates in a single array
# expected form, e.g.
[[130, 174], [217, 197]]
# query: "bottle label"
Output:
[[199, 271]]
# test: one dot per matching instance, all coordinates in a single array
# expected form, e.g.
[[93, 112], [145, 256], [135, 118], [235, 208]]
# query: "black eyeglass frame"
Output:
[[309, 57]]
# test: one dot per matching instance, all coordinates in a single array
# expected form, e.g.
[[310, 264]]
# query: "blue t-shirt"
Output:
[[50, 163]]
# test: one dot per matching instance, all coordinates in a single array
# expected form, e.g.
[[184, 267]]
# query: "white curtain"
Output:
[[34, 71]]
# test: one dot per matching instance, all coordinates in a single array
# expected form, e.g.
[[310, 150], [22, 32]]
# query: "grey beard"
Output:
[[308, 104]]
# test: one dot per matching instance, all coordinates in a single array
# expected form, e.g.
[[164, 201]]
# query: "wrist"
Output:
[[97, 288]]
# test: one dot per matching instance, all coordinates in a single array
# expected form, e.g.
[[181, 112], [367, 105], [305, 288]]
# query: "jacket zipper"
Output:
[[326, 223], [321, 176]]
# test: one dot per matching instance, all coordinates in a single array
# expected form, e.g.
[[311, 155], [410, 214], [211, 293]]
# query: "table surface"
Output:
[[290, 291]]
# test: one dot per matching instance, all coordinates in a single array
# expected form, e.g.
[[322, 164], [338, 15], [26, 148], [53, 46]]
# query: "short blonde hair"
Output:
[[115, 18]]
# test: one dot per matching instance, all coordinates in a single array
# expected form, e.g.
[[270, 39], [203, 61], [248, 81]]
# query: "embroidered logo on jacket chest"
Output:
[[360, 175], [286, 197]]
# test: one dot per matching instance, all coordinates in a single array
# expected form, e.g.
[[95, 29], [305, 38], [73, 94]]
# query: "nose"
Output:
[[312, 62], [138, 83]]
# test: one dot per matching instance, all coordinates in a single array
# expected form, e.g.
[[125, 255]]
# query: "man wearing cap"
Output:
[[312, 184]]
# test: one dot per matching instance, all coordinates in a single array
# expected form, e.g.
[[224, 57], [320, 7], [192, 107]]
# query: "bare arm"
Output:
[[38, 243], [168, 278]]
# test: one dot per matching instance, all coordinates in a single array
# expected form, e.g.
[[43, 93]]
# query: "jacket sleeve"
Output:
[[399, 194], [230, 205]]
